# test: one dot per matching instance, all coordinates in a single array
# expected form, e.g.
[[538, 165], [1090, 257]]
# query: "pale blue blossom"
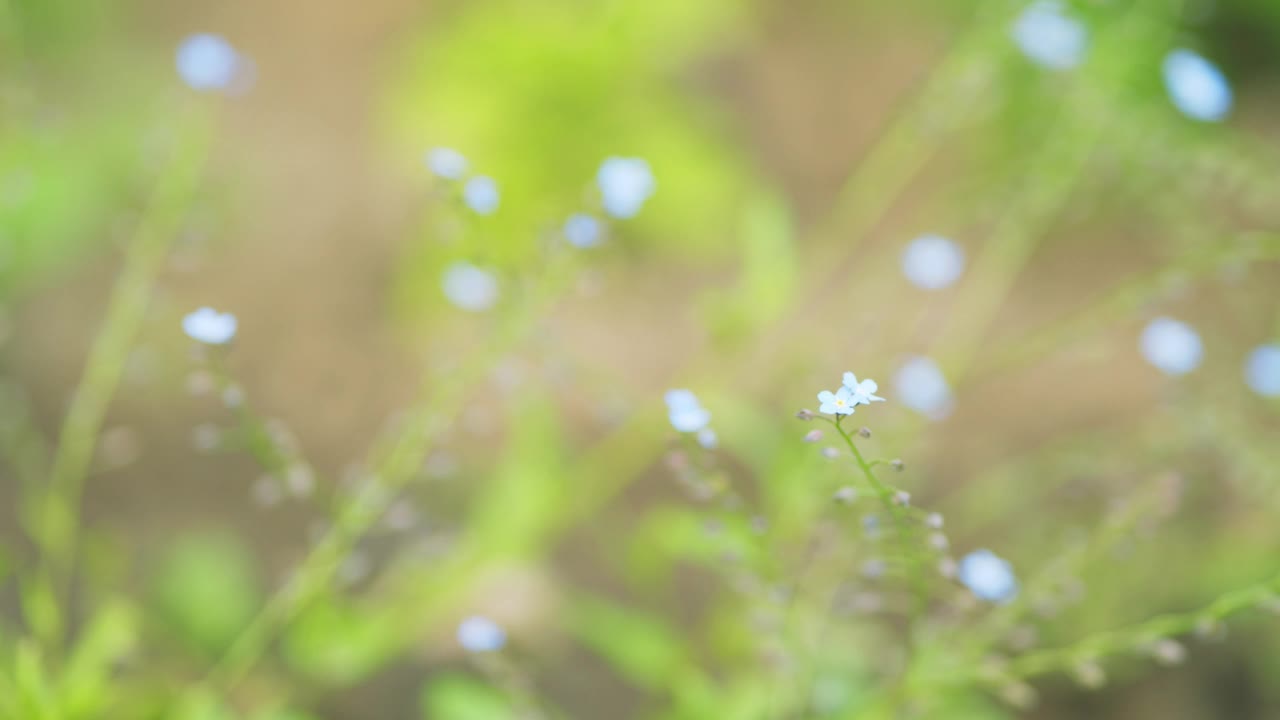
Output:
[[840, 402], [1196, 86], [209, 326], [480, 634], [863, 392], [708, 439], [1049, 36], [481, 194], [446, 163], [582, 230], [625, 184], [1262, 370], [685, 412], [469, 287], [988, 576], [920, 385], [208, 62], [932, 262], [1172, 346]]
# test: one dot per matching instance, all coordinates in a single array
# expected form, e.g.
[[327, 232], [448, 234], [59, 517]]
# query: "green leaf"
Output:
[[207, 589], [458, 697], [641, 647], [110, 635]]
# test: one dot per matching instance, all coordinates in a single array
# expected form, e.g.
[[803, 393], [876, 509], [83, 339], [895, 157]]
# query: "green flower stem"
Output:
[[58, 523]]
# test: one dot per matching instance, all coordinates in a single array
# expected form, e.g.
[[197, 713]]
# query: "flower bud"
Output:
[[864, 432], [830, 453], [897, 465], [902, 498], [805, 414], [1167, 651], [845, 495], [813, 436]]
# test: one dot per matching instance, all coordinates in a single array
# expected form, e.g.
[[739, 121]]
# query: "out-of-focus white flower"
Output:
[[932, 262], [625, 185], [685, 412], [1262, 370], [582, 230], [920, 385], [446, 163], [988, 576], [480, 634], [1196, 86], [469, 287], [209, 326], [1049, 36], [481, 195], [208, 62], [1171, 346]]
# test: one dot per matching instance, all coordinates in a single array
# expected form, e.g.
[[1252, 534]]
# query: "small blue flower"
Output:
[[1172, 346], [209, 326], [582, 230], [920, 385], [469, 287], [625, 185], [840, 402], [1049, 36], [932, 262], [863, 393], [708, 439], [481, 194], [1196, 86], [685, 412], [446, 163], [480, 634], [208, 62], [988, 576], [1262, 370]]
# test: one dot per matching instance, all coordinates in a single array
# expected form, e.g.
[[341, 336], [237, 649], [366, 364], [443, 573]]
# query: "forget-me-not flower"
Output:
[[582, 230], [469, 287], [1262, 370], [480, 634], [625, 185], [1196, 86], [208, 62], [1172, 346], [481, 194], [862, 393], [708, 439], [685, 412], [988, 576], [920, 385], [932, 262], [209, 326], [840, 402], [1049, 36], [446, 163]]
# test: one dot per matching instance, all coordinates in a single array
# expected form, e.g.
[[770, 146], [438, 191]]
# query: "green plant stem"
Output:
[[58, 523]]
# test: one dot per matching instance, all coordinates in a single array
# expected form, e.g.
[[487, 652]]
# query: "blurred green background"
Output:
[[423, 464]]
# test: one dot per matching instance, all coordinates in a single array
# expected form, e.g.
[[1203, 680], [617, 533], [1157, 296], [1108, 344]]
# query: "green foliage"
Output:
[[464, 698], [206, 588]]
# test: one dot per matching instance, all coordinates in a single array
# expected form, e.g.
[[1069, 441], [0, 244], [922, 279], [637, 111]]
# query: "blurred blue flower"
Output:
[[708, 439], [209, 326], [840, 402], [1049, 36], [582, 230], [920, 385], [207, 62], [862, 393], [625, 185], [932, 262], [988, 576], [1171, 346], [481, 194], [1196, 86], [446, 163], [1262, 370], [469, 287], [480, 634], [685, 412]]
